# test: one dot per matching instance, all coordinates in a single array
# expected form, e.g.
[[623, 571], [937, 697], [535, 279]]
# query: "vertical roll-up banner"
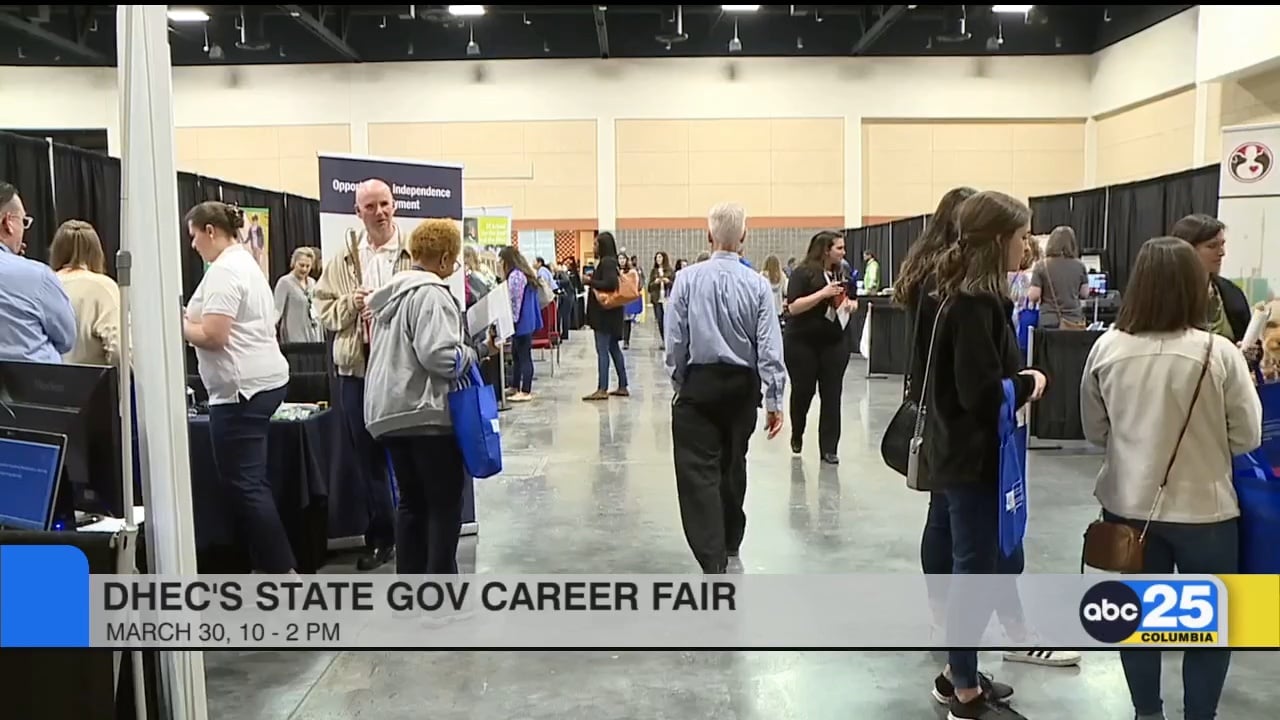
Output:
[[421, 190], [1249, 205]]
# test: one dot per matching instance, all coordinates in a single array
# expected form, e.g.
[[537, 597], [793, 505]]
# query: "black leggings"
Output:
[[821, 368]]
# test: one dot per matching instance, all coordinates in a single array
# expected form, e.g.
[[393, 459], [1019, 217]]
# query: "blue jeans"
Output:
[[431, 475], [606, 347], [371, 465], [522, 363], [937, 561], [1210, 549], [238, 433], [974, 513]]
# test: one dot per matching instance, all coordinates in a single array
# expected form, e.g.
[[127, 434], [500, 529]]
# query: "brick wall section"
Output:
[[761, 242]]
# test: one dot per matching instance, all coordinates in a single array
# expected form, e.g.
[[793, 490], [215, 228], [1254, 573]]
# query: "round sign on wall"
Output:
[[1250, 162]]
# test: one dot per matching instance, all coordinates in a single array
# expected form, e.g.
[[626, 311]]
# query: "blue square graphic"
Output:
[[44, 596]]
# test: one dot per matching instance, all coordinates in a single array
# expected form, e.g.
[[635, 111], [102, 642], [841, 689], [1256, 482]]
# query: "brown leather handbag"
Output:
[[1119, 546]]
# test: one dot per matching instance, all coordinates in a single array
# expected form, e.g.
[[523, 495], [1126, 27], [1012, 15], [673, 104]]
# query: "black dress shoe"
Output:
[[797, 445], [376, 558], [830, 458]]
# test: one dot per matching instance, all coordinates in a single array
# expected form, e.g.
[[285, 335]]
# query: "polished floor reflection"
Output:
[[589, 488]]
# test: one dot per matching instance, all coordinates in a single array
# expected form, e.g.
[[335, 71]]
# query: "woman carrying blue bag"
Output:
[[418, 354]]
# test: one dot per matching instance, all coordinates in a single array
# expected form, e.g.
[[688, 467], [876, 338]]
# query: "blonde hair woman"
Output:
[[777, 282], [77, 258], [295, 318]]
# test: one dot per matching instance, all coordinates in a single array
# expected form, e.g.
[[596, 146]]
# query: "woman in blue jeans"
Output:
[[971, 349], [1171, 403], [607, 323], [522, 285], [231, 322]]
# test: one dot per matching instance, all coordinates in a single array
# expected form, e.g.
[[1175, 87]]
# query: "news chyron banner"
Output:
[[419, 190], [48, 599]]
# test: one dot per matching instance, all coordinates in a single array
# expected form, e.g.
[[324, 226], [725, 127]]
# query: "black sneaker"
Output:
[[376, 558], [943, 690], [982, 708]]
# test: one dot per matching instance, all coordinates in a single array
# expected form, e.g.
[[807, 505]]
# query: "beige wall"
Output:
[[774, 167], [1245, 101], [1147, 140], [542, 169], [908, 165], [268, 157]]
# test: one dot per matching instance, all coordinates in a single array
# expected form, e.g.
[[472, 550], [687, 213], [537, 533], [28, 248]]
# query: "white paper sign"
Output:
[[492, 310]]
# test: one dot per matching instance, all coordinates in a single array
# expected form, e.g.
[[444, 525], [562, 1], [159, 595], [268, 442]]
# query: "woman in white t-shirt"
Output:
[[230, 320]]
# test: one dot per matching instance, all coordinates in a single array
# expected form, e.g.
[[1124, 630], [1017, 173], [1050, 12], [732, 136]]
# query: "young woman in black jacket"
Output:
[[606, 323], [974, 350]]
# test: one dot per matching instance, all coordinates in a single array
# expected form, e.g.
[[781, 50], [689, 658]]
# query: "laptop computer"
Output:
[[30, 471]]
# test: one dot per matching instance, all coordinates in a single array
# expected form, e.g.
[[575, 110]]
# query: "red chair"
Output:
[[548, 338]]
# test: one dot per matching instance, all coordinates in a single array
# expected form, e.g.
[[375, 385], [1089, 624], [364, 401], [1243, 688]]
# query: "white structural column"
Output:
[[853, 171], [606, 173], [149, 223]]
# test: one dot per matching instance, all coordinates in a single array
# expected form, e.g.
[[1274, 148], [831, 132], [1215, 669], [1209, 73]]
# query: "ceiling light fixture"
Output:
[[739, 8], [1011, 9], [473, 47], [735, 45], [466, 10], [188, 15]]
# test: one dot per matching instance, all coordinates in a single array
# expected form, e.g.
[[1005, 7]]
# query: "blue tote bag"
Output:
[[473, 408], [1027, 318], [1013, 474]]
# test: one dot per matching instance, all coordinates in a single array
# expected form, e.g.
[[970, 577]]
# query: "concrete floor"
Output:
[[589, 488]]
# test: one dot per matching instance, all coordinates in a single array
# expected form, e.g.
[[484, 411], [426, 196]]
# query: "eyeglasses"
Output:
[[27, 220]]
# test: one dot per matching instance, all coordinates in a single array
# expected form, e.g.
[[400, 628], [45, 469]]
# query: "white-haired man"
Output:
[[340, 298], [723, 345]]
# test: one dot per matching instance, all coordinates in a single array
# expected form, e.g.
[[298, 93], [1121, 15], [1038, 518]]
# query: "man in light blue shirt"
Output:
[[37, 323], [723, 344]]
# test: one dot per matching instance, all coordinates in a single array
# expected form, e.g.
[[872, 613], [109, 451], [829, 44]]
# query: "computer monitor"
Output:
[[1092, 262], [30, 467], [80, 402], [1097, 284]]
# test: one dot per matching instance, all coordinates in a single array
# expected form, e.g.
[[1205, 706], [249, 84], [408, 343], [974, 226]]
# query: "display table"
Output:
[[298, 468], [890, 339], [1061, 354]]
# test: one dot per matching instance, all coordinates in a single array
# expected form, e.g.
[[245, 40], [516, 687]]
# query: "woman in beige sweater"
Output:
[[1168, 399], [76, 255]]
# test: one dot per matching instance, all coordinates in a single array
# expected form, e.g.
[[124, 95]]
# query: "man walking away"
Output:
[[722, 344]]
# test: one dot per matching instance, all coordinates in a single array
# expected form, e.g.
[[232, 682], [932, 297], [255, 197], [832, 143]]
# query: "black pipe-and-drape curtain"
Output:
[[855, 241], [1089, 219], [251, 197], [24, 163], [1135, 214], [300, 227], [902, 233], [1048, 212], [87, 187], [878, 241], [1193, 191], [191, 192]]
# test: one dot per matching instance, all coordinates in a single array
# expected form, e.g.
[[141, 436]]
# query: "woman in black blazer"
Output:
[[606, 323], [975, 350], [1229, 311]]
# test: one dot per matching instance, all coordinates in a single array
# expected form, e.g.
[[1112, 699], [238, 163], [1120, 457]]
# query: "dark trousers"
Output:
[[564, 312], [1209, 549], [937, 561], [430, 472], [371, 465], [821, 368], [711, 424], [626, 331], [975, 550], [659, 315], [238, 433], [607, 347], [522, 363]]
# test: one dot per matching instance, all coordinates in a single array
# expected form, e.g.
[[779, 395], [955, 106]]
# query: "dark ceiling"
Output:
[[259, 34]]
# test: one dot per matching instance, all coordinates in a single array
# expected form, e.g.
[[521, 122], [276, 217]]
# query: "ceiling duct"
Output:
[[253, 34], [955, 26], [671, 26]]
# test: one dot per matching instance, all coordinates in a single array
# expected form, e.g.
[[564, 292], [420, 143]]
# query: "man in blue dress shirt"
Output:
[[723, 344], [37, 323]]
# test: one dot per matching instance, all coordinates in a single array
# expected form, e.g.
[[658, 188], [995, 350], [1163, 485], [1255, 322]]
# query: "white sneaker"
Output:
[[1048, 658]]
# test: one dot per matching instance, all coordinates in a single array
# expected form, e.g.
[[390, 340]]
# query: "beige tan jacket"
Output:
[[335, 304]]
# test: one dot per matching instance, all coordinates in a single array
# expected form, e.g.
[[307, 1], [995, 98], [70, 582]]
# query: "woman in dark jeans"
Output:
[[974, 351], [230, 320], [1159, 391], [522, 284], [813, 342], [606, 323]]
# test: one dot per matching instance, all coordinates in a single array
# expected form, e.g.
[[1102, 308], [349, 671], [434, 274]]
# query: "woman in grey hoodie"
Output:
[[418, 350]]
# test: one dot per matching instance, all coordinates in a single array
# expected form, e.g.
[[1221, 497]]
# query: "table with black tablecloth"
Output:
[[890, 334], [300, 458], [1061, 354]]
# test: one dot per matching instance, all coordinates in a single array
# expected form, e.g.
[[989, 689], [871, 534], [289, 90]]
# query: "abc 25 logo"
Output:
[[1142, 612]]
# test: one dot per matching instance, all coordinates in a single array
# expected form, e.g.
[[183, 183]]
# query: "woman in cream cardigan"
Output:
[[76, 255], [1138, 390]]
